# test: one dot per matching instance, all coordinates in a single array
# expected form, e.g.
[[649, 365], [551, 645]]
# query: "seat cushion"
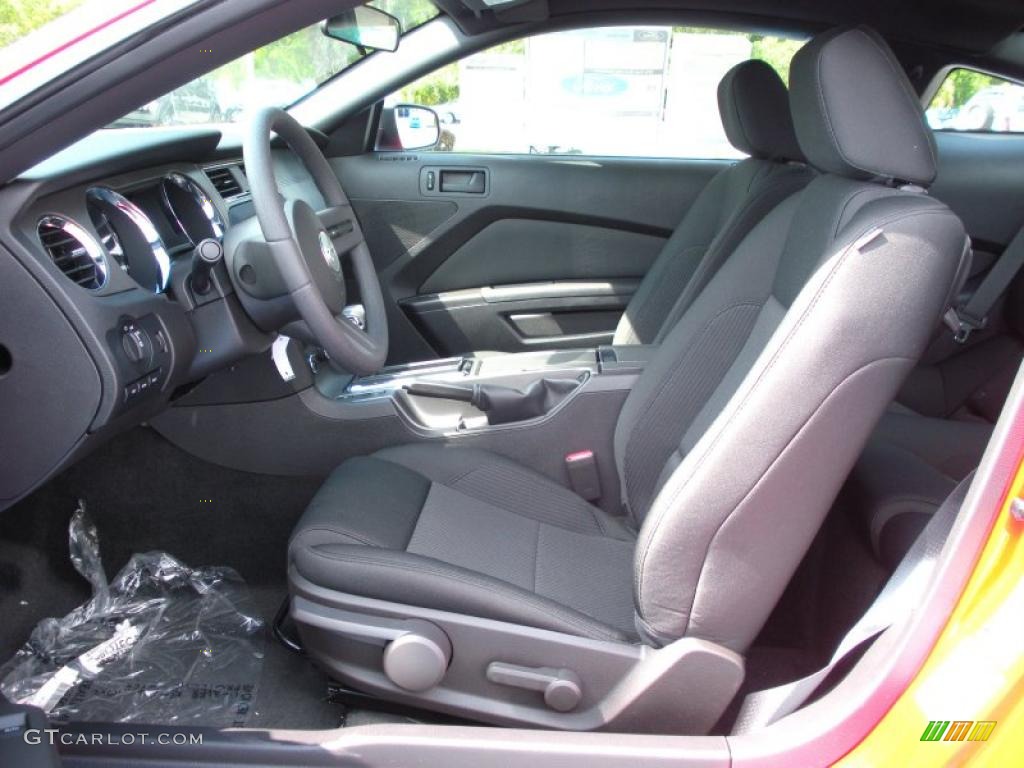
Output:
[[910, 465], [472, 532]]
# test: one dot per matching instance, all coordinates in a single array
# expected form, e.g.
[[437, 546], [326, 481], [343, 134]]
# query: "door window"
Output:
[[969, 100], [612, 91]]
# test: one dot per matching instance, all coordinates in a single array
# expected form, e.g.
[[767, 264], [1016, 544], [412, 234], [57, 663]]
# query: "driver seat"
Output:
[[458, 580]]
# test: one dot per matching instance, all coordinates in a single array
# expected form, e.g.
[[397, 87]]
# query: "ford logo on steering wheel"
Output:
[[329, 252]]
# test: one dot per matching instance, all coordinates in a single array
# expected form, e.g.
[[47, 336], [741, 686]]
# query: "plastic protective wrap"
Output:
[[161, 644]]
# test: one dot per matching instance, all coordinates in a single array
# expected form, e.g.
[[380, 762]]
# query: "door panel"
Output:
[[550, 315], [546, 255], [532, 251]]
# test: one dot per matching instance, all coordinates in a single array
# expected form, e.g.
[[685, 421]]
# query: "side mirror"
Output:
[[365, 27], [407, 127]]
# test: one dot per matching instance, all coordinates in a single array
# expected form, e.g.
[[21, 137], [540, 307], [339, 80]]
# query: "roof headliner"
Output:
[[967, 26]]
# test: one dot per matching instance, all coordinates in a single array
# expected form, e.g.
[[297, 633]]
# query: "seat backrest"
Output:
[[734, 442], [754, 106]]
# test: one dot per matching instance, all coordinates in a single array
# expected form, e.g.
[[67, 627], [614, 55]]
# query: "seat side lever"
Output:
[[561, 687]]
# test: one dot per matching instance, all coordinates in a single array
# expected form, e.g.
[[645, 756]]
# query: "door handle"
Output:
[[466, 182]]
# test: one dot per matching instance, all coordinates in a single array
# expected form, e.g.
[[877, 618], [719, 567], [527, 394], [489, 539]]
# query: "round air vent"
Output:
[[74, 251], [130, 237]]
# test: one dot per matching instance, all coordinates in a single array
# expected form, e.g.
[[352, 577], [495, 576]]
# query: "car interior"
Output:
[[543, 440]]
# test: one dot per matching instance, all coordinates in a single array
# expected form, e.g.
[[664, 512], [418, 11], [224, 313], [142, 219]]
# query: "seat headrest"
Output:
[[855, 112], [755, 112]]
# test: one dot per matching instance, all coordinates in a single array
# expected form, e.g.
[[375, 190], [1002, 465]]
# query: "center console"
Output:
[[483, 391]]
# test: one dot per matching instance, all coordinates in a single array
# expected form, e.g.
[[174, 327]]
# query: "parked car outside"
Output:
[[193, 103], [996, 108]]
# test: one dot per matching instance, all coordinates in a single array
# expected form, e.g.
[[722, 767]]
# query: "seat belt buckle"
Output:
[[583, 475], [962, 324]]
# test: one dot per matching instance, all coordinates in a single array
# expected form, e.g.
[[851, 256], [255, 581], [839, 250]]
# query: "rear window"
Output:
[[969, 100]]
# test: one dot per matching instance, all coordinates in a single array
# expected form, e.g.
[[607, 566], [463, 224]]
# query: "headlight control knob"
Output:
[[136, 344]]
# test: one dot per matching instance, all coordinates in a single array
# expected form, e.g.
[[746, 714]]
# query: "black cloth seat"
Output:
[[754, 107], [481, 534]]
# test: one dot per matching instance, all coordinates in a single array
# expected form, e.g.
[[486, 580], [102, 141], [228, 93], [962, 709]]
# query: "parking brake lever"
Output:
[[501, 404], [458, 392]]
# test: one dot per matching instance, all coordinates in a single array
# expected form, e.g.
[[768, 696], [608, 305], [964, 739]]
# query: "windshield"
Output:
[[276, 75], [44, 39]]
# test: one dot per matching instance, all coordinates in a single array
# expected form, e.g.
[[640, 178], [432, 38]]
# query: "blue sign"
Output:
[[595, 84]]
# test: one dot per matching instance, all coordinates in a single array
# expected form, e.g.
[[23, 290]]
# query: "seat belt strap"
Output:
[[900, 596], [973, 315]]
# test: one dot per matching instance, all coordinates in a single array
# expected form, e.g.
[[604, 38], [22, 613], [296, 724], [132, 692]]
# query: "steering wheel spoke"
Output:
[[342, 227], [348, 243], [339, 217]]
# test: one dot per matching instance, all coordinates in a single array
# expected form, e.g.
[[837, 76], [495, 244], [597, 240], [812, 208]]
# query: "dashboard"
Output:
[[101, 324]]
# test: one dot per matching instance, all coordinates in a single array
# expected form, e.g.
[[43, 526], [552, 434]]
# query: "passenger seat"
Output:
[[754, 106]]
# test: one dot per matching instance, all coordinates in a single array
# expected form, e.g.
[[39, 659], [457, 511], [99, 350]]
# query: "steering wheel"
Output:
[[307, 245]]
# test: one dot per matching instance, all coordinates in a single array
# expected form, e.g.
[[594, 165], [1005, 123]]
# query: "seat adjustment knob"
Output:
[[563, 693], [417, 660]]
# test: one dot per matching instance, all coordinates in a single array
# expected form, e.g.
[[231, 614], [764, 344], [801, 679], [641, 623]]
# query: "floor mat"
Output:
[[162, 644]]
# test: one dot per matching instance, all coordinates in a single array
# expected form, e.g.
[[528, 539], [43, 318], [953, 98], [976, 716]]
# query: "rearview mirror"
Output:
[[365, 27]]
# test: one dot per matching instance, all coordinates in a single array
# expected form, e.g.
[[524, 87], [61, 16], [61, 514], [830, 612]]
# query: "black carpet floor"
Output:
[[145, 494]]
